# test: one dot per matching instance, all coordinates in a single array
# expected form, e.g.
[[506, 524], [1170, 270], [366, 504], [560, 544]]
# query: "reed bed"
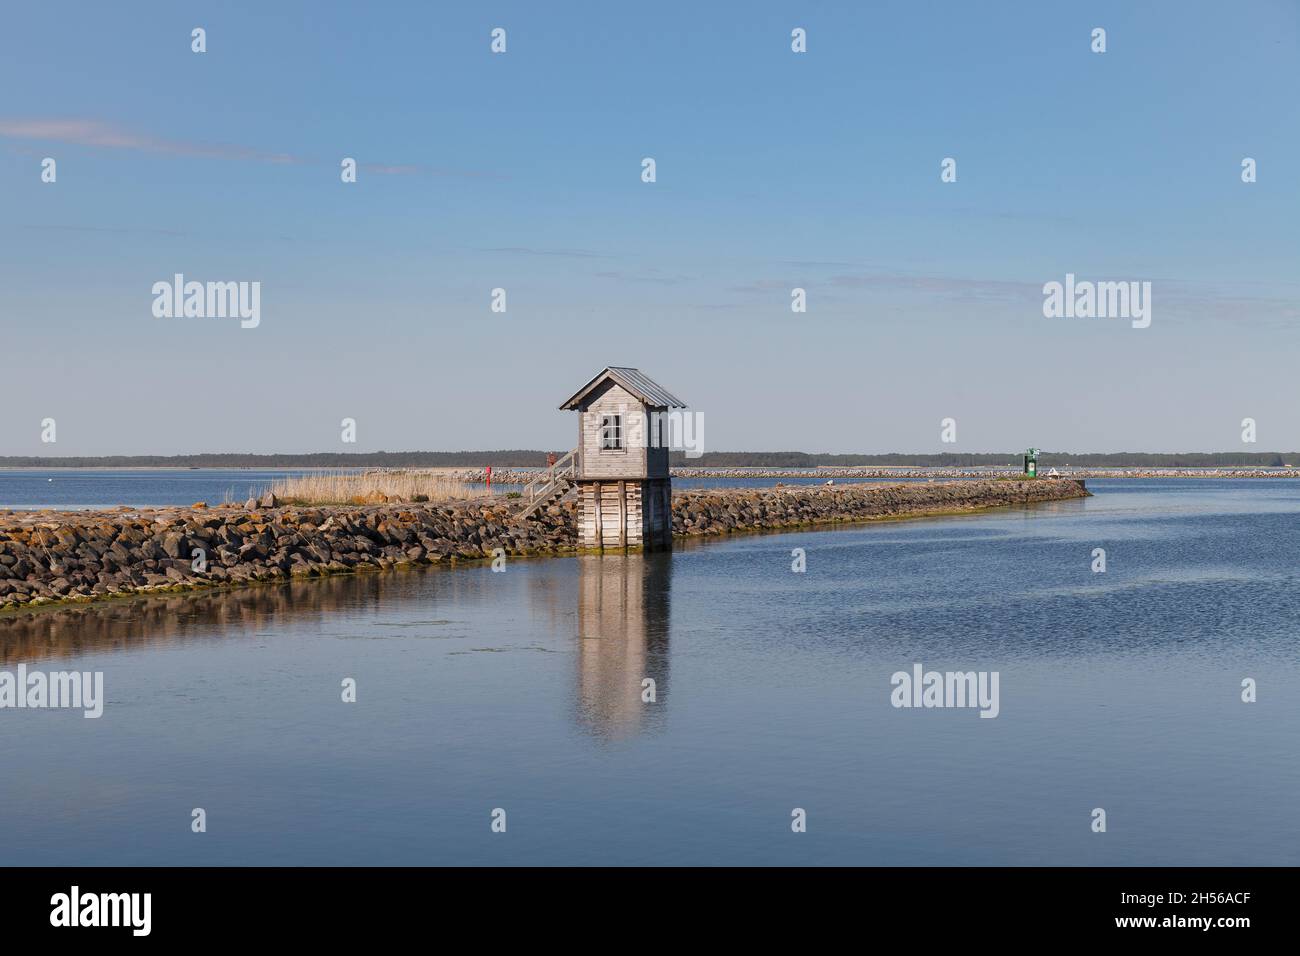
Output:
[[373, 487]]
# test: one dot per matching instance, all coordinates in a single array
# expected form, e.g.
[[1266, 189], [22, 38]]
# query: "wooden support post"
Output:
[[622, 514], [600, 506], [666, 493]]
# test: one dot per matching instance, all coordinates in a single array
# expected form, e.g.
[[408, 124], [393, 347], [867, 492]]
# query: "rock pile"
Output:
[[725, 510], [47, 557]]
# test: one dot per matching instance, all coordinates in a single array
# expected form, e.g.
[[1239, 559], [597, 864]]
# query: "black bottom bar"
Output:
[[364, 904]]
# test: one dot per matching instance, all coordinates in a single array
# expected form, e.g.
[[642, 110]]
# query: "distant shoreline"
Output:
[[270, 468], [507, 475], [528, 458]]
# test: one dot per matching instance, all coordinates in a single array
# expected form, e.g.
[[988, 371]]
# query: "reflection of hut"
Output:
[[622, 639], [624, 492]]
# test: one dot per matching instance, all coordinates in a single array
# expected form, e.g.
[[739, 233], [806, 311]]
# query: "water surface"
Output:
[[522, 690], [83, 488]]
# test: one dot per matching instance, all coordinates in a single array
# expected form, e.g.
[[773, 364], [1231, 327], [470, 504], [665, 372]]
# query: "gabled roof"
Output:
[[635, 381]]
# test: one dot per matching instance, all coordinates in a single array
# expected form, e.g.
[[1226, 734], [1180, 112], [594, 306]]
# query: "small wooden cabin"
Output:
[[624, 492]]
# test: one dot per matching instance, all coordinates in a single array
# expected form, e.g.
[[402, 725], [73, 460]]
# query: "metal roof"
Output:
[[635, 381]]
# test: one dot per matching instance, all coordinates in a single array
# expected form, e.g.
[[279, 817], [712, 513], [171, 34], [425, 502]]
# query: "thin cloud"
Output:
[[381, 170], [767, 285], [937, 286], [102, 135], [149, 231], [817, 264], [112, 231], [942, 286], [1195, 300], [82, 132], [652, 276], [534, 251], [413, 169]]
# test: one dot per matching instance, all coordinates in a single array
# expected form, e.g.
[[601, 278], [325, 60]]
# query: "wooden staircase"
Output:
[[551, 485]]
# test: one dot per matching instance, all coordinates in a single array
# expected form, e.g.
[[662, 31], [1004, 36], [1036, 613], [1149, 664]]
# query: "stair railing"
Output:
[[565, 467]]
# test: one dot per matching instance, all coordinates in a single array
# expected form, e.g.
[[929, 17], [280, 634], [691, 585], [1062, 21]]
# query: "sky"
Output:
[[774, 170]]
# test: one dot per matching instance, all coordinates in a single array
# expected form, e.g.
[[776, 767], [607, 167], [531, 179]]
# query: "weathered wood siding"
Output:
[[626, 462], [609, 514], [625, 514]]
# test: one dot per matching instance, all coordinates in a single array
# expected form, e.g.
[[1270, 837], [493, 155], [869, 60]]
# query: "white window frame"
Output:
[[611, 432]]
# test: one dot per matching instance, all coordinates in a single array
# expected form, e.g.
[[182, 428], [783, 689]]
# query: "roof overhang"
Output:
[[633, 380]]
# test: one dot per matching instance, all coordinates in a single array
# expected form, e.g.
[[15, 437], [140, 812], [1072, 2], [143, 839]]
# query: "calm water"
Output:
[[521, 690], [73, 488]]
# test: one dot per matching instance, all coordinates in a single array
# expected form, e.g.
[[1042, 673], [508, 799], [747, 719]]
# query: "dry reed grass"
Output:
[[373, 487]]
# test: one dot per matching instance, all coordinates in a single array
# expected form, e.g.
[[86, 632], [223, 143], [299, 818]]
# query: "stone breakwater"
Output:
[[48, 557], [728, 510], [520, 476], [899, 473]]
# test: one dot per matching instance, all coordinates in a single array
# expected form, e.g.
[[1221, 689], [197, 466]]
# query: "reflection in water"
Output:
[[621, 639], [623, 612], [136, 623]]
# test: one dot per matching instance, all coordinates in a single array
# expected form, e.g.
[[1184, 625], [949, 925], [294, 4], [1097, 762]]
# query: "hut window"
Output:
[[611, 431]]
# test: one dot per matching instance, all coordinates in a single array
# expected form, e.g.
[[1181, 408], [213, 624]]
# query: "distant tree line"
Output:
[[522, 458], [378, 459], [799, 459]]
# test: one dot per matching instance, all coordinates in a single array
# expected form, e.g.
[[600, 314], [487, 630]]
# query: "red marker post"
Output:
[[489, 477]]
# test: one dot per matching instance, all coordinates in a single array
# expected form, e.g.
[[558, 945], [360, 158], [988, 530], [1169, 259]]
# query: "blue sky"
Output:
[[775, 170]]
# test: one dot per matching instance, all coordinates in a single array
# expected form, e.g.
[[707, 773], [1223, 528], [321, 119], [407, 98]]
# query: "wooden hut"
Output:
[[621, 473]]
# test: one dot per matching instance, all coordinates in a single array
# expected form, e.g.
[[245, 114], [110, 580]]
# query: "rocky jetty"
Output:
[[924, 473], [727, 510], [520, 476], [48, 557]]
